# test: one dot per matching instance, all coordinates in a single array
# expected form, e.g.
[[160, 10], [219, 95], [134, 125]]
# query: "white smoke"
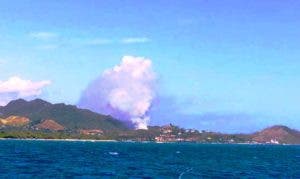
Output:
[[126, 91]]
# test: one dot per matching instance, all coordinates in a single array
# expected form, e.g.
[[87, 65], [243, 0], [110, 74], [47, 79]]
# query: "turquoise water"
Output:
[[59, 159]]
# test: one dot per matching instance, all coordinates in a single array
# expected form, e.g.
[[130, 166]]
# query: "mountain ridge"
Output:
[[69, 116], [41, 119]]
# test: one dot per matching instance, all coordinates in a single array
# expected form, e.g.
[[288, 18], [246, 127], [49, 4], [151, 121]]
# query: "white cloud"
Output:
[[129, 40], [50, 36], [43, 35], [16, 87], [132, 40]]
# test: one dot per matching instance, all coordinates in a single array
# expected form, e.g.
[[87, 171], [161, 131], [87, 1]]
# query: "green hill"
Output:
[[71, 117], [41, 119]]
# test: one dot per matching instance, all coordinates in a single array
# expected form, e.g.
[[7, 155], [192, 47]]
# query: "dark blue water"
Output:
[[27, 159]]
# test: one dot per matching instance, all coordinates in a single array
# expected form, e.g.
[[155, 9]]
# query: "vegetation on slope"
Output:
[[43, 120], [71, 117]]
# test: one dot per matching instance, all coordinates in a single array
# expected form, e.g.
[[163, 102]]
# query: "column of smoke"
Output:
[[125, 92]]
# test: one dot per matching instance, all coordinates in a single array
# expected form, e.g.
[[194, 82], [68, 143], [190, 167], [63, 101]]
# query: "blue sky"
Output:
[[222, 65]]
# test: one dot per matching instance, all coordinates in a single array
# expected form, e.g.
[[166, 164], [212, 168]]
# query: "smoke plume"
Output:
[[125, 92]]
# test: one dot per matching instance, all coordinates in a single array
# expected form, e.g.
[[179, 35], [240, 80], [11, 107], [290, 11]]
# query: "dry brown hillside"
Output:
[[50, 125], [281, 134], [14, 121]]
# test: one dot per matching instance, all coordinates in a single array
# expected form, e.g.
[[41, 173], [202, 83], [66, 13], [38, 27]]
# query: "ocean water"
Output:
[[64, 159]]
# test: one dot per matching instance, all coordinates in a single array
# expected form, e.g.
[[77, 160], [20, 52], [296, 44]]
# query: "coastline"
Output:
[[116, 141], [62, 140]]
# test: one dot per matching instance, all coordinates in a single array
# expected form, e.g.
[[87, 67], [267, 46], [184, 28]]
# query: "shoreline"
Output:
[[63, 140], [116, 141]]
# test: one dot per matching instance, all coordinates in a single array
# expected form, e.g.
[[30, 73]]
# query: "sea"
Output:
[[90, 159]]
